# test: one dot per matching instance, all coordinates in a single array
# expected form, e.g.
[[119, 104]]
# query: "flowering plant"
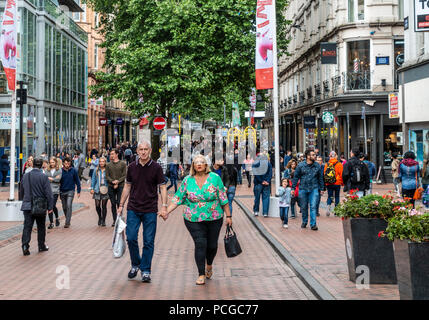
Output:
[[411, 224], [371, 206]]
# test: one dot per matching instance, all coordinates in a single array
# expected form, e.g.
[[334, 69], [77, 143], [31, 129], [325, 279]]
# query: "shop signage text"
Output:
[[382, 60], [6, 119], [328, 52], [421, 15], [309, 122], [103, 122], [393, 106]]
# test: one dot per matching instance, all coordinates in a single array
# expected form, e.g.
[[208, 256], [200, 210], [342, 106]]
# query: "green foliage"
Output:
[[183, 56], [412, 226], [370, 206]]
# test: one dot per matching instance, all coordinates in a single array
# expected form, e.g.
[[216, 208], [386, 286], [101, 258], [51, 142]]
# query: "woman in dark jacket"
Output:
[[409, 172], [4, 167]]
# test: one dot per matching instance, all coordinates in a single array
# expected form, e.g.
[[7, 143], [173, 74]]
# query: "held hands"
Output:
[[163, 213]]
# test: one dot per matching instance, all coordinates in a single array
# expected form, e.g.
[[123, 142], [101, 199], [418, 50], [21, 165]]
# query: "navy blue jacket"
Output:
[[40, 188], [260, 162], [69, 180], [4, 165], [310, 175]]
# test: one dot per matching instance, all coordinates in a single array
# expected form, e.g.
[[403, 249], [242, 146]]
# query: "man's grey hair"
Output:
[[145, 142]]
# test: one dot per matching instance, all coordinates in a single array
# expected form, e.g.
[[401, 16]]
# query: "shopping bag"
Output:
[[232, 247], [119, 245]]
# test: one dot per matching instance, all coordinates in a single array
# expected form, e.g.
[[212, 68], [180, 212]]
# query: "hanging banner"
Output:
[[252, 106], [8, 52], [393, 105], [328, 52], [421, 15], [235, 115], [264, 44]]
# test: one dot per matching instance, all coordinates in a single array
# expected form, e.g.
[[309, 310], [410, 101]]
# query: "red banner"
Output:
[[264, 44], [8, 36]]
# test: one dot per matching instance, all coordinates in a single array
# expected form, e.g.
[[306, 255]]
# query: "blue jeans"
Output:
[[258, 190], [231, 195], [293, 201], [308, 197], [134, 219], [333, 190], [284, 212]]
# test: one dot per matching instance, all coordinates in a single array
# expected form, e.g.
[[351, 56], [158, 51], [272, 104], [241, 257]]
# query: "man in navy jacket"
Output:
[[69, 181], [263, 173], [40, 187]]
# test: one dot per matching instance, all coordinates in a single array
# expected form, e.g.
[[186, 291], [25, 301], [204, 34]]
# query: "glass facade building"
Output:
[[53, 64]]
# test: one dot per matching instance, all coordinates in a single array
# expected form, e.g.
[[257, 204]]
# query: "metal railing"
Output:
[[357, 80]]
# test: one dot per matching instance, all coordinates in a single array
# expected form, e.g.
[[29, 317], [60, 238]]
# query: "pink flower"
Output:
[[376, 203]]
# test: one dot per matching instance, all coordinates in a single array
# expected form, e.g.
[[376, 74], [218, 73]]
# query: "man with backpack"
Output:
[[333, 176], [356, 174], [371, 169]]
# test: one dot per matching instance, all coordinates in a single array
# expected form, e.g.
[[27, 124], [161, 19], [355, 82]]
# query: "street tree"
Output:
[[180, 56]]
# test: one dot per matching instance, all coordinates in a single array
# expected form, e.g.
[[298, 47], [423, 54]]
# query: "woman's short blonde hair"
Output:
[[192, 172]]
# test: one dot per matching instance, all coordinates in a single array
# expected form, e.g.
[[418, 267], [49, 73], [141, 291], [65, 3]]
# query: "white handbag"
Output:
[[119, 246]]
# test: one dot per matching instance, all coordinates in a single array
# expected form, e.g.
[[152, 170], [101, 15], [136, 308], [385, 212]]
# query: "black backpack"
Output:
[[357, 175], [330, 176]]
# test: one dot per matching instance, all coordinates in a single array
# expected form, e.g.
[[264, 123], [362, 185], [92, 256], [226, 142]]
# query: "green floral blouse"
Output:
[[203, 204]]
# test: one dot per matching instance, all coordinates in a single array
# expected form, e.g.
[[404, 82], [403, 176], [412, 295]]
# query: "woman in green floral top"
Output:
[[204, 195]]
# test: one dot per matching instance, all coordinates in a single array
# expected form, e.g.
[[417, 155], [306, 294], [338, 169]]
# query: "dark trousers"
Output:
[[173, 182], [333, 191], [205, 235], [3, 179], [249, 179], [80, 172], [115, 199], [28, 227], [409, 194], [51, 215]]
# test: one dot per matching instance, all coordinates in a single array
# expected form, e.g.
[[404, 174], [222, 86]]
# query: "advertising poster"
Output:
[[264, 44], [8, 37]]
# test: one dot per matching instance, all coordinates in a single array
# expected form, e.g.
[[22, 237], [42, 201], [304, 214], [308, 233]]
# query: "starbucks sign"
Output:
[[327, 117]]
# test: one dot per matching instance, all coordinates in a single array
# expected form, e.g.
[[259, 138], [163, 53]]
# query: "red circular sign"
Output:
[[159, 123]]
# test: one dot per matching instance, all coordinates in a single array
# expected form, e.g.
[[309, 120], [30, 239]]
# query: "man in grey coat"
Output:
[[40, 187]]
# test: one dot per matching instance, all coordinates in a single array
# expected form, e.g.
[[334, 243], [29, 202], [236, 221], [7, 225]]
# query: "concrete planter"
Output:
[[412, 267], [367, 252]]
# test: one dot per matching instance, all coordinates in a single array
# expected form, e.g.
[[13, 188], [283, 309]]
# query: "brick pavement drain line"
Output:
[[309, 281], [14, 231]]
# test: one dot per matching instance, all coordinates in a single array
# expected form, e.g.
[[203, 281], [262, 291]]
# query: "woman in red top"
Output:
[[333, 176]]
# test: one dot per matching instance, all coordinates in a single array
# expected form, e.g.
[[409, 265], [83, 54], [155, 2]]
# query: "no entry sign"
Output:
[[159, 123]]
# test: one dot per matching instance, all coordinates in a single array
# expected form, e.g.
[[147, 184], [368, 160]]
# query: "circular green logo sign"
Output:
[[327, 117]]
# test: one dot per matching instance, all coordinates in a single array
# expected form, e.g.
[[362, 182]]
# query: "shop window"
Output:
[[419, 144], [392, 143], [358, 75]]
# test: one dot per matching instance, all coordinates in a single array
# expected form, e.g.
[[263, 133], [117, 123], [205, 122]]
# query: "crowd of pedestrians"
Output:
[[128, 176]]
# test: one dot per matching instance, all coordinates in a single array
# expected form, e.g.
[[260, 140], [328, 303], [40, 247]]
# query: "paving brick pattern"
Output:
[[322, 252], [85, 249]]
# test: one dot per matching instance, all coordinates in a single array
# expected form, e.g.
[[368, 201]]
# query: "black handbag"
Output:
[[39, 205], [232, 247]]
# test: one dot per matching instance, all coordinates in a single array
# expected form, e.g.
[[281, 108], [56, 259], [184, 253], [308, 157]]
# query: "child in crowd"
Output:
[[285, 198]]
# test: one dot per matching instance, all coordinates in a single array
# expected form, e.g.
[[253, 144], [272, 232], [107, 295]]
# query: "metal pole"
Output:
[[224, 114], [12, 148], [364, 129], [276, 102], [348, 135]]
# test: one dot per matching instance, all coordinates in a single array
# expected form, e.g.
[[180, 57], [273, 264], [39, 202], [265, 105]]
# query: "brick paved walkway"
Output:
[[321, 252], [85, 248]]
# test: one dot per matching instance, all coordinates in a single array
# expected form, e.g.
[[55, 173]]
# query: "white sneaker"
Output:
[[256, 213], [285, 226]]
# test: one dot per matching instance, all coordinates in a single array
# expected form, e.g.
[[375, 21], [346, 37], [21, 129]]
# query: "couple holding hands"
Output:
[[205, 199]]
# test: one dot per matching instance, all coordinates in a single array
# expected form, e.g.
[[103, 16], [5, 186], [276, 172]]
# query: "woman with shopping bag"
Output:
[[204, 195]]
